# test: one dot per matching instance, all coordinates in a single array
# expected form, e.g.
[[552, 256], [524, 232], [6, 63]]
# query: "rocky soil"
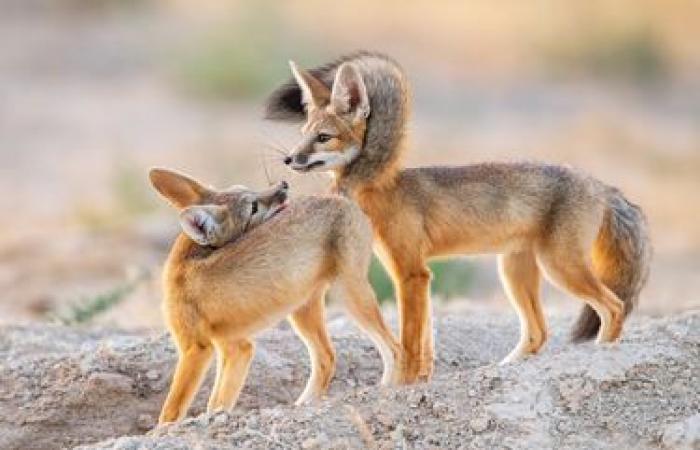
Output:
[[63, 387]]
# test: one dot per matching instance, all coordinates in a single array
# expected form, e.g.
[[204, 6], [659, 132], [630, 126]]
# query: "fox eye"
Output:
[[323, 137], [254, 207]]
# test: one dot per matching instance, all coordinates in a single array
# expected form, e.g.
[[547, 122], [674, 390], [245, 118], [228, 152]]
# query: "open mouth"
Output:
[[308, 167], [281, 206], [277, 209]]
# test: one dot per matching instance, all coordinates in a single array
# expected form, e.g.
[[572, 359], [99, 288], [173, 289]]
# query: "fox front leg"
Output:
[[416, 324], [193, 362]]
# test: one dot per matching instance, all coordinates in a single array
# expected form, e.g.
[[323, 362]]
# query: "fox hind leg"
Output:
[[310, 324], [520, 277], [234, 361], [574, 274], [361, 304]]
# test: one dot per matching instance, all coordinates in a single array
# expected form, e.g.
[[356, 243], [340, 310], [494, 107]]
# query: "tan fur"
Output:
[[217, 299], [541, 219]]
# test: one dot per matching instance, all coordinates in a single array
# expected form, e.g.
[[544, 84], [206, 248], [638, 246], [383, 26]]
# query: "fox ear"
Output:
[[349, 95], [204, 224], [313, 91], [180, 190]]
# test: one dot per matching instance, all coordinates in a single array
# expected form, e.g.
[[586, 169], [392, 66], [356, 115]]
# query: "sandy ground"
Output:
[[65, 387]]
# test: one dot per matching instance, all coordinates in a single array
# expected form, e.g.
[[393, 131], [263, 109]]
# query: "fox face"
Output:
[[213, 217], [336, 120]]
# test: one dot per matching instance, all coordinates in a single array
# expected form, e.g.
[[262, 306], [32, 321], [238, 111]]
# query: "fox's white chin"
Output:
[[324, 161]]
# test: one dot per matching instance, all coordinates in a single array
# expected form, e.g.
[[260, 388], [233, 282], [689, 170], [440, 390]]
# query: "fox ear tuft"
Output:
[[313, 91], [349, 95], [179, 189], [204, 224]]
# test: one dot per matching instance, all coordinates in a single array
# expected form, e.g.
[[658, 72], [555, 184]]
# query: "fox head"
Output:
[[214, 217], [336, 120]]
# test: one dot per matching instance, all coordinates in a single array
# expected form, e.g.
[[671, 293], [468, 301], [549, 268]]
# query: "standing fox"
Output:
[[245, 261], [582, 234]]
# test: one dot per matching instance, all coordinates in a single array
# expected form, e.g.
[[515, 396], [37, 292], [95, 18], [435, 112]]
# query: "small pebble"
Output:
[[319, 441], [221, 418], [384, 420], [145, 422], [479, 424], [309, 443], [109, 382]]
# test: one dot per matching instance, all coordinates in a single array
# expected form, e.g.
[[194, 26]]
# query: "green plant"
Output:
[[242, 57], [131, 194], [383, 287], [130, 198], [224, 67], [635, 54], [451, 278], [86, 309]]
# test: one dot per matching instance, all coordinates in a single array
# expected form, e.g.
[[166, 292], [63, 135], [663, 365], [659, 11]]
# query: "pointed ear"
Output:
[[204, 223], [180, 190], [313, 91], [349, 95]]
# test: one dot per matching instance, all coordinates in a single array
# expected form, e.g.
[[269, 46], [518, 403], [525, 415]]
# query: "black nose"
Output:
[[288, 160], [284, 185]]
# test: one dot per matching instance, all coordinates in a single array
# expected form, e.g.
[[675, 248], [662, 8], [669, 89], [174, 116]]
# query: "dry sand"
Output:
[[63, 387]]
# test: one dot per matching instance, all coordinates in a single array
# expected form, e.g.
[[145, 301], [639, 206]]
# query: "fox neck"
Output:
[[375, 196], [376, 167], [383, 138], [185, 248], [352, 183]]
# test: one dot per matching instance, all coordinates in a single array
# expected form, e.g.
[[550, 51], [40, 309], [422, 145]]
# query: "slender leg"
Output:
[[220, 358], [236, 356], [310, 324], [416, 323], [521, 281], [577, 278], [191, 366], [363, 307]]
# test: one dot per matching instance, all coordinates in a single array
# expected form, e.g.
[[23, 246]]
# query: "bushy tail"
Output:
[[621, 258], [284, 103]]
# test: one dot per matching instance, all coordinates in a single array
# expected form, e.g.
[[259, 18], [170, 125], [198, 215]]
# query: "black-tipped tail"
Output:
[[284, 104], [586, 326]]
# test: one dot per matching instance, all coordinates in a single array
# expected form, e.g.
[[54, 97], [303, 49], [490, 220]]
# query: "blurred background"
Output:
[[94, 92]]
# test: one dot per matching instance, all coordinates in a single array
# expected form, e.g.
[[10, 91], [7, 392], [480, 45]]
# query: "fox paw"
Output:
[[515, 356], [308, 399], [607, 344], [426, 372]]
